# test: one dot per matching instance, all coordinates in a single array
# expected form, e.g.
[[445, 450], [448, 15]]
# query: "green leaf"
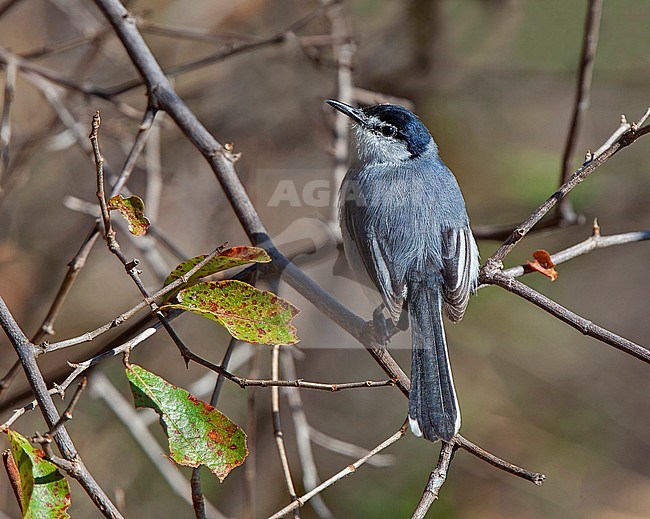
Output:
[[249, 314], [45, 492], [233, 257], [198, 433], [132, 210]]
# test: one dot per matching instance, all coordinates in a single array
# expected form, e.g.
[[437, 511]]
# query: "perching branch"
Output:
[[436, 480]]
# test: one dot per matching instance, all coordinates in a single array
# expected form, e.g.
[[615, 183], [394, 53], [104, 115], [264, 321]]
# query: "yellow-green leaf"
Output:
[[249, 314]]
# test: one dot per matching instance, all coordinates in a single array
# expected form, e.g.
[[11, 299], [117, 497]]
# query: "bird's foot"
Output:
[[379, 328]]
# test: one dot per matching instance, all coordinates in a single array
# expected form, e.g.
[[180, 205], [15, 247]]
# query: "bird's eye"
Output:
[[387, 130]]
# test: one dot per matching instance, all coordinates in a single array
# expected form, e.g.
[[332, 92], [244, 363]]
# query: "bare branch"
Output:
[[624, 139], [583, 90], [348, 449], [229, 51], [350, 469], [67, 414], [222, 163], [344, 55], [594, 242], [533, 477], [89, 336], [26, 353], [310, 477], [277, 428], [436, 480]]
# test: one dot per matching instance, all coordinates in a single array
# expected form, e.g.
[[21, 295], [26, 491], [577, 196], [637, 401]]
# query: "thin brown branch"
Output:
[[26, 352], [348, 449], [60, 46], [74, 267], [436, 480], [67, 414], [191, 33], [80, 367], [583, 90], [78, 262], [9, 377], [533, 477], [630, 135], [350, 469], [232, 50], [89, 336], [594, 242], [198, 501], [344, 55], [53, 76], [323, 386], [277, 429], [310, 477]]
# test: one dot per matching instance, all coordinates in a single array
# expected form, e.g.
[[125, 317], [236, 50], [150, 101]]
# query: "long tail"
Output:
[[433, 407]]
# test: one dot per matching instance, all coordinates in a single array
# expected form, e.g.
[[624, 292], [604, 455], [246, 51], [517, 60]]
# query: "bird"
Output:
[[406, 233]]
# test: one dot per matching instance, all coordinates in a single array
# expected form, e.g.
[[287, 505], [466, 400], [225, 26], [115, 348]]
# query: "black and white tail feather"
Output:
[[433, 405]]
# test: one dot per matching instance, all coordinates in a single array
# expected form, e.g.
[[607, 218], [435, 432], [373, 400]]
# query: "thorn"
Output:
[[623, 119], [588, 156]]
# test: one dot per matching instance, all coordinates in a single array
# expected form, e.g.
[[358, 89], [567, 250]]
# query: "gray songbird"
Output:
[[406, 232]]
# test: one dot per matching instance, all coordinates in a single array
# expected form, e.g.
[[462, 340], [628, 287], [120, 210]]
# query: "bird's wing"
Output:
[[375, 260], [459, 270]]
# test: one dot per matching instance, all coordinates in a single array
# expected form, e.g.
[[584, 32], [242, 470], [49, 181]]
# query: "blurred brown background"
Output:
[[494, 81]]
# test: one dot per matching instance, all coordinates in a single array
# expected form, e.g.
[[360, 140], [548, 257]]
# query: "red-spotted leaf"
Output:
[[132, 209], [45, 492], [233, 257], [249, 314], [198, 433]]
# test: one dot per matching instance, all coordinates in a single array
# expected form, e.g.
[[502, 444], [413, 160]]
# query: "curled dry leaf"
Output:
[[543, 264]]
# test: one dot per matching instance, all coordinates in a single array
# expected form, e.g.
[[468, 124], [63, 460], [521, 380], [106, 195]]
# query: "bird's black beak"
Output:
[[353, 113]]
